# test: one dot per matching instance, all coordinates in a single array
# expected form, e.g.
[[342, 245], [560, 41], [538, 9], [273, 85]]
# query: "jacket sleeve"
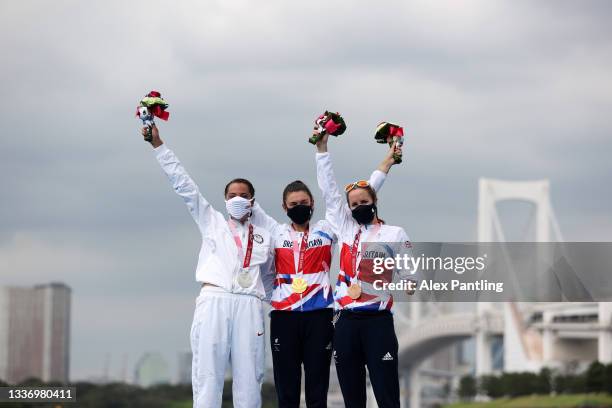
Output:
[[267, 270], [260, 218], [404, 248], [206, 217], [336, 211], [377, 180], [268, 274]]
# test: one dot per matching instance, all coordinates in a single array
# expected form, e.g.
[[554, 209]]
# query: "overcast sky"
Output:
[[514, 90]]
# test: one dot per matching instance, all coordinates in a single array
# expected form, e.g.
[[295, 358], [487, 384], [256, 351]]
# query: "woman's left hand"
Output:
[[389, 161]]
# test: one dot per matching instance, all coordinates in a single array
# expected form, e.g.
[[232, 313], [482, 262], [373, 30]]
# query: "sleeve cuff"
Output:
[[321, 155], [160, 150]]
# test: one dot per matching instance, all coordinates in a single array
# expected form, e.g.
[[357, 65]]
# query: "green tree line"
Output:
[[596, 379]]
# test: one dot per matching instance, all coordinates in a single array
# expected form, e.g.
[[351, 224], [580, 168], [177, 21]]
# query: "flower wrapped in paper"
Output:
[[328, 123]]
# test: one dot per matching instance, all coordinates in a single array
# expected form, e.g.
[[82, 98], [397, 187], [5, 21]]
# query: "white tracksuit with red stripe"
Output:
[[346, 228], [317, 259], [228, 318]]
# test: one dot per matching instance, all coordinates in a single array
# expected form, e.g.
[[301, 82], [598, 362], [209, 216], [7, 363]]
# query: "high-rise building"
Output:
[[35, 333]]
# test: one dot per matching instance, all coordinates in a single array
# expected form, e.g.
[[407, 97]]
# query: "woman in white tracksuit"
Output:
[[364, 331], [228, 319]]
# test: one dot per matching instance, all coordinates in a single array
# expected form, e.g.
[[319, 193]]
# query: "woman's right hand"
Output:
[[155, 140], [389, 160]]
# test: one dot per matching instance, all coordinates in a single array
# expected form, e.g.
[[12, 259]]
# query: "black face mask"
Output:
[[364, 214], [300, 214]]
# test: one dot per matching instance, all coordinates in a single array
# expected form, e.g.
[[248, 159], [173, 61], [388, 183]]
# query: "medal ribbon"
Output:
[[354, 248], [356, 254], [300, 260], [249, 251], [299, 253]]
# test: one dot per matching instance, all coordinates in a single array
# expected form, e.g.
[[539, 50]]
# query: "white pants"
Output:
[[227, 327]]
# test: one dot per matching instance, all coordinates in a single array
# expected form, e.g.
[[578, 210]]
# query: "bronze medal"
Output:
[[354, 291]]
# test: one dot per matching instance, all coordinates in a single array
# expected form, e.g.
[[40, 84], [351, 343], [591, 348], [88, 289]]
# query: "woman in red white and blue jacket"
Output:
[[364, 332], [301, 329]]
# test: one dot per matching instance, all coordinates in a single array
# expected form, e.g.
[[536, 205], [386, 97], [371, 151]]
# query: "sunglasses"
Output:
[[358, 184]]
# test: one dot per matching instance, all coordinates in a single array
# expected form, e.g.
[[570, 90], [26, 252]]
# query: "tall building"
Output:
[[35, 333]]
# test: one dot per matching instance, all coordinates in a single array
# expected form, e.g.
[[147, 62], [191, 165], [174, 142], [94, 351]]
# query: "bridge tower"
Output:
[[490, 230]]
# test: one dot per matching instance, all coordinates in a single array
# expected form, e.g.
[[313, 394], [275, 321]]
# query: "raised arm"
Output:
[[336, 211], [378, 177], [206, 217]]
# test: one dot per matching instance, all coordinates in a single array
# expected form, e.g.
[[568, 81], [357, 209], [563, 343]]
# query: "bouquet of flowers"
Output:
[[328, 123], [389, 133], [151, 106]]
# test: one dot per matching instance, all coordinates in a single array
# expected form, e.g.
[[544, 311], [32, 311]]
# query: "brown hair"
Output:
[[241, 181], [294, 186], [370, 191], [374, 197]]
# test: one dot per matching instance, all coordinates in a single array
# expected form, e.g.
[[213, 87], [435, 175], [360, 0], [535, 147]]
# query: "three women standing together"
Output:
[[250, 257]]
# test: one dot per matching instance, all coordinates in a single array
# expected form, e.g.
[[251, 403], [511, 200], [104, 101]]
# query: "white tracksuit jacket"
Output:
[[228, 318]]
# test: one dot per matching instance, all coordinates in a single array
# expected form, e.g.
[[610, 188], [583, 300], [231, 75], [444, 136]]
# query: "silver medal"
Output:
[[244, 279]]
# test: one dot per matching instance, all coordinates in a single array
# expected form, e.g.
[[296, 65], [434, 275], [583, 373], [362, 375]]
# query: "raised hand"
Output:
[[154, 138], [322, 142], [389, 160]]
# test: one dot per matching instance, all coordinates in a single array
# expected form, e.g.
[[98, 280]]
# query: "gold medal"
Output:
[[299, 285], [354, 291]]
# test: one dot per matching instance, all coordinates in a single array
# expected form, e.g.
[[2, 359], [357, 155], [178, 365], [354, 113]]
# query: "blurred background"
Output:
[[97, 253]]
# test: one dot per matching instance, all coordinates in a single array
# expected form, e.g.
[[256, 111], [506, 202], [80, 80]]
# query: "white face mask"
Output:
[[237, 207]]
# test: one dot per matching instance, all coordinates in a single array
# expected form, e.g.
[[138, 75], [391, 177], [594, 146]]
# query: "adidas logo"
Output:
[[387, 357]]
